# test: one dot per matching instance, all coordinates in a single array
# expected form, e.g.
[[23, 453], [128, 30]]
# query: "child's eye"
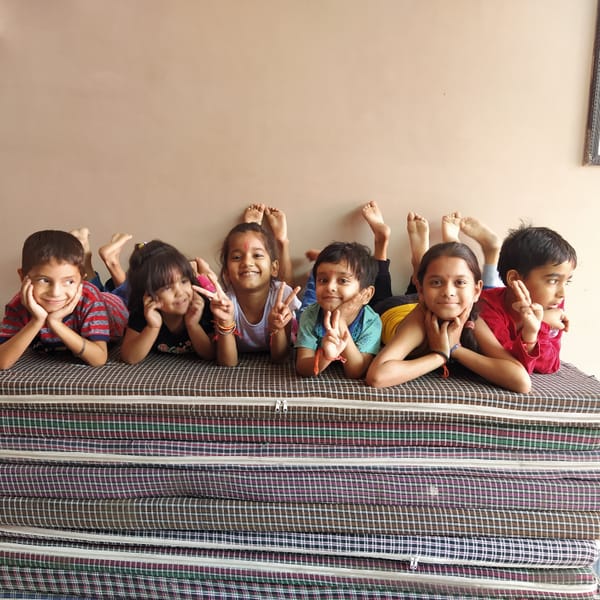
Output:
[[344, 281], [461, 282], [553, 281], [259, 255], [235, 257], [185, 280], [321, 280]]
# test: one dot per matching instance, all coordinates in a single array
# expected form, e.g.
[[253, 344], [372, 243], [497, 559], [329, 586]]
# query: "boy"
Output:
[[340, 325], [527, 316], [56, 308]]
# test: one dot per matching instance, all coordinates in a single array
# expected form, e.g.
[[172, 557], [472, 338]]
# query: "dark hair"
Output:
[[151, 267], [455, 250], [359, 259], [43, 246], [267, 236], [527, 248]]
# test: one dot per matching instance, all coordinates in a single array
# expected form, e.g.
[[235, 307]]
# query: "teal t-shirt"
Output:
[[365, 329]]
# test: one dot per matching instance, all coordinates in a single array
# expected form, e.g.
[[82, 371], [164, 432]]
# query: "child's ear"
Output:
[[512, 275], [275, 268], [478, 289], [21, 274], [367, 294]]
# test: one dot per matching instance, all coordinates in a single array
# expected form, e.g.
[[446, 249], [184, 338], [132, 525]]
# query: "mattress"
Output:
[[176, 478]]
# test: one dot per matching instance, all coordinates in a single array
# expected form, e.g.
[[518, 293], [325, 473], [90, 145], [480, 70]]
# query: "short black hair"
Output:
[[50, 244], [526, 248], [359, 259]]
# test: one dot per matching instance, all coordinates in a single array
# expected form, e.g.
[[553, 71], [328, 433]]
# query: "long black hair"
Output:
[[462, 251]]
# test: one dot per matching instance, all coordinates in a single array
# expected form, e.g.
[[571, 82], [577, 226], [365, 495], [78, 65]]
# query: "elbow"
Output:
[[374, 379], [522, 384]]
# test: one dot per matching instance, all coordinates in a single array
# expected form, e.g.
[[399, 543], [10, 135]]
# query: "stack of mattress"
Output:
[[179, 479]]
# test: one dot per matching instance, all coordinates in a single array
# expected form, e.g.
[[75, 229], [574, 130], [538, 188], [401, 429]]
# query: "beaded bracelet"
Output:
[[225, 329]]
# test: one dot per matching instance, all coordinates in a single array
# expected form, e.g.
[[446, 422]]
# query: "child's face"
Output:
[[449, 287], [547, 284], [54, 284], [175, 297], [249, 265], [335, 284]]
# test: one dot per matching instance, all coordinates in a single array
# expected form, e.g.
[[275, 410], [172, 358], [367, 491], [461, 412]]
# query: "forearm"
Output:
[[280, 344], [507, 373], [94, 353], [355, 362], [136, 345], [202, 344], [384, 373], [227, 354], [13, 348]]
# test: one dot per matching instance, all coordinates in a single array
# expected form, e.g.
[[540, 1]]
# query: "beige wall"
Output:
[[165, 118]]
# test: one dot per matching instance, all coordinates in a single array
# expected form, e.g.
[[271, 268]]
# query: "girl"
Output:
[[254, 306], [165, 312], [444, 326]]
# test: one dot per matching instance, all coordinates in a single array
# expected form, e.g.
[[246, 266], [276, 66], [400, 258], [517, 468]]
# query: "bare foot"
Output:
[[312, 254], [201, 267], [451, 227], [418, 238], [277, 222], [254, 213], [202, 270], [381, 230], [83, 235], [487, 239], [110, 253]]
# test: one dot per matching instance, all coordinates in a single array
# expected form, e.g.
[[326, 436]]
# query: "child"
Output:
[[371, 213], [56, 308], [340, 325], [527, 316], [255, 306], [443, 326], [166, 313]]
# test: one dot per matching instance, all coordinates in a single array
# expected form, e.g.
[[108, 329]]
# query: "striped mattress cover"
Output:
[[175, 398], [179, 479], [94, 565]]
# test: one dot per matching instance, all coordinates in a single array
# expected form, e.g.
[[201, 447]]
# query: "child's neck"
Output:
[[252, 304], [173, 323]]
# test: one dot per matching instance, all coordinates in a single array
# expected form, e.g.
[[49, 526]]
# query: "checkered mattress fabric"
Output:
[[178, 477]]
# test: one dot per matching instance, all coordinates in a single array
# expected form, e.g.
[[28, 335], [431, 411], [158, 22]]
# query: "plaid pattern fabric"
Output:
[[123, 572], [489, 551], [557, 397], [303, 485], [179, 479], [228, 515]]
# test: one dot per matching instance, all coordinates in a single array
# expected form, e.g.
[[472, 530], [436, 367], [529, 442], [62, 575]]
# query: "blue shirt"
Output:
[[365, 329]]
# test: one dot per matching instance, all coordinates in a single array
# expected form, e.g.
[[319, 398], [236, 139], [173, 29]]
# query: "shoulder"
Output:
[[90, 292]]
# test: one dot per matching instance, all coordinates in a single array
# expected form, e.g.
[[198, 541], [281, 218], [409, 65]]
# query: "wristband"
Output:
[[445, 373], [80, 353], [455, 347]]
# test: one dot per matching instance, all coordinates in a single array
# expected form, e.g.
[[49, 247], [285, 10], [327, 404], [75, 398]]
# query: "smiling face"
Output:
[[547, 284], [175, 297], [449, 287], [249, 265], [54, 284], [335, 283]]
